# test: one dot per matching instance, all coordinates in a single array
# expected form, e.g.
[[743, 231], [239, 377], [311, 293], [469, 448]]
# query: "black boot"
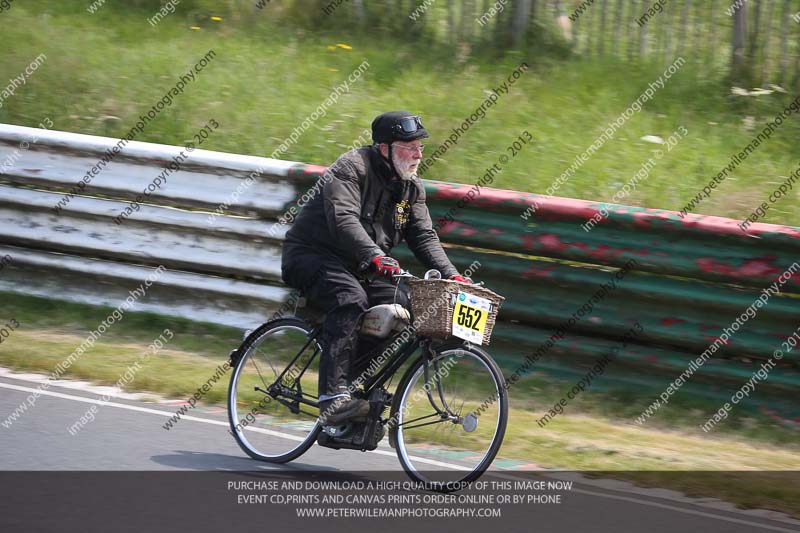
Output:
[[337, 410]]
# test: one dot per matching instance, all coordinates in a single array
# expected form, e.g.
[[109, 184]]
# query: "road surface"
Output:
[[179, 479]]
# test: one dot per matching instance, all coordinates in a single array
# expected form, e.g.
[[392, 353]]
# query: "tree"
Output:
[[739, 65], [522, 12]]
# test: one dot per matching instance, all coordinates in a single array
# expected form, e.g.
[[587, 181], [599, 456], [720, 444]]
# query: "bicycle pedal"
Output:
[[352, 436], [334, 431], [335, 437]]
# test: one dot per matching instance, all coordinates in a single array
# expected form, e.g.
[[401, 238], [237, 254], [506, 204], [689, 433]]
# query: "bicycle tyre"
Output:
[[242, 359], [449, 480]]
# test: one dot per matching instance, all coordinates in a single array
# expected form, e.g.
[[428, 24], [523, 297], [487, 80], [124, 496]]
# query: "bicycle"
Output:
[[450, 405]]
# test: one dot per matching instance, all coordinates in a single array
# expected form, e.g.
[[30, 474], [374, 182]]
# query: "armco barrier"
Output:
[[692, 278]]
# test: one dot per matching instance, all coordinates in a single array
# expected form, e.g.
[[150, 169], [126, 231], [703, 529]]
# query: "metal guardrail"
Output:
[[227, 271], [693, 276]]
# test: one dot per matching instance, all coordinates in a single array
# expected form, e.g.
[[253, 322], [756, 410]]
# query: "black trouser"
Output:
[[343, 297]]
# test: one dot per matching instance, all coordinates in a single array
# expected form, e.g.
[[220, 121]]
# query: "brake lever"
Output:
[[404, 274]]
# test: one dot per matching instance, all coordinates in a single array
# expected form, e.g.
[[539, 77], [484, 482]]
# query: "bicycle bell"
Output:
[[433, 274]]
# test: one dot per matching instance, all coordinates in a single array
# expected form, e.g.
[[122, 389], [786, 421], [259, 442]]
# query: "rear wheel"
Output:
[[449, 416], [276, 373]]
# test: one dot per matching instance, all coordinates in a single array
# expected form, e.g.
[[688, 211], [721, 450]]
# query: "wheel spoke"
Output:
[[263, 381], [274, 370]]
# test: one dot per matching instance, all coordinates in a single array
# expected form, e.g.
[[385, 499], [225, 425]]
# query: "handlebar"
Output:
[[405, 274]]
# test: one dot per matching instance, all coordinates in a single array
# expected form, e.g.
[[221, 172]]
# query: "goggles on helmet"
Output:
[[408, 125]]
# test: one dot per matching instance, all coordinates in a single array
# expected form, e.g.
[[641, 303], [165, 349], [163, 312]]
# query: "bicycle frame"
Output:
[[285, 395], [401, 354]]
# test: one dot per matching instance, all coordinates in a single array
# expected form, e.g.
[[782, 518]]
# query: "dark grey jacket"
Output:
[[364, 211]]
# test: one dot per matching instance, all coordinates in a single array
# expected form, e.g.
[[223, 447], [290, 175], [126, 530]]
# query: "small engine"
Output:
[[383, 320], [363, 434]]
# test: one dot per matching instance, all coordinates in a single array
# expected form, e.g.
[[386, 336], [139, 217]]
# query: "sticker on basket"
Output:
[[469, 317]]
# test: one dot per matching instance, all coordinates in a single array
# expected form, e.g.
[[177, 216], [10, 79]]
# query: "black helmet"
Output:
[[397, 126]]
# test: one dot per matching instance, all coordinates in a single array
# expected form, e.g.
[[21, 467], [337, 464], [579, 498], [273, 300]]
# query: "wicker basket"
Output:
[[433, 302]]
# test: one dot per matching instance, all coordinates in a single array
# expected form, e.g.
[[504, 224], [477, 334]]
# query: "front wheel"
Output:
[[449, 416], [272, 405]]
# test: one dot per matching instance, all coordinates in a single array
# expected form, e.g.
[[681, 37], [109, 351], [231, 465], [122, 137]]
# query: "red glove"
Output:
[[459, 277], [385, 265]]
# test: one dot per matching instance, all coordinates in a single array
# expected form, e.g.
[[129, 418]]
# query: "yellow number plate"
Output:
[[469, 317]]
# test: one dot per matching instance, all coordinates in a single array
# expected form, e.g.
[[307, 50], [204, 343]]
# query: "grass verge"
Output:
[[268, 77]]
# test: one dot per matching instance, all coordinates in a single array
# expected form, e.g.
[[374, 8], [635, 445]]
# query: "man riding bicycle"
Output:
[[371, 201]]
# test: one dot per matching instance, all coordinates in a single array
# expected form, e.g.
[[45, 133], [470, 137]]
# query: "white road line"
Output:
[[380, 452], [683, 510], [204, 420], [110, 404]]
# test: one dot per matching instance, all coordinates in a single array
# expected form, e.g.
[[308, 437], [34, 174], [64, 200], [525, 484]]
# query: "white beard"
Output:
[[403, 168]]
